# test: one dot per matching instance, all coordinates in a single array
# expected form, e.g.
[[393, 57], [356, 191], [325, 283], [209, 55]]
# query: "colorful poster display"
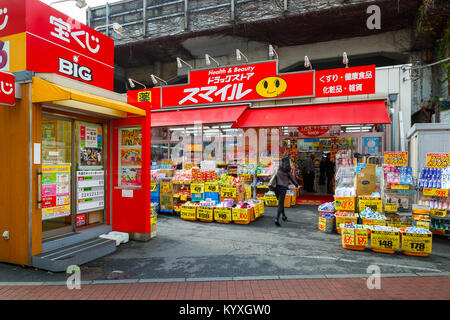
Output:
[[55, 191], [90, 146], [396, 158], [438, 160], [130, 157], [371, 145]]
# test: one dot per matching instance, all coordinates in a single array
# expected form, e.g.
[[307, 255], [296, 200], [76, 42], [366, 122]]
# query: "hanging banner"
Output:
[[314, 131], [7, 86], [438, 160]]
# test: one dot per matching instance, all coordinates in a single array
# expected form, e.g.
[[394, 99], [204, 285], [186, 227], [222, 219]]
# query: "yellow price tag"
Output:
[[438, 160], [396, 158], [369, 202], [153, 186], [417, 242], [205, 213], [400, 187], [222, 214], [391, 207], [228, 191], [165, 187], [322, 224], [240, 214], [188, 212], [361, 237], [344, 203], [211, 187], [438, 213], [423, 224], [348, 236], [183, 197], [197, 187], [435, 192], [385, 240]]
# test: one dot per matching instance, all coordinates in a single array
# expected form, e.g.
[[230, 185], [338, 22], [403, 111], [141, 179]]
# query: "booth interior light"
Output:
[[117, 28], [307, 63], [155, 79], [79, 3], [180, 65], [132, 81]]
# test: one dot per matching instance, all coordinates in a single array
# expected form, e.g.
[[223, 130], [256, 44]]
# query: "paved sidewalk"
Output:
[[403, 288]]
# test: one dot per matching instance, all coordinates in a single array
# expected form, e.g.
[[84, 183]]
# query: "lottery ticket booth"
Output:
[[63, 181]]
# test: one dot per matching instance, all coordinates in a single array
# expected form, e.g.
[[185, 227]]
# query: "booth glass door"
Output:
[[56, 176]]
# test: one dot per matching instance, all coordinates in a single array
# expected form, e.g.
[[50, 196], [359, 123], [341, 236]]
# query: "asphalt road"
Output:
[[185, 249]]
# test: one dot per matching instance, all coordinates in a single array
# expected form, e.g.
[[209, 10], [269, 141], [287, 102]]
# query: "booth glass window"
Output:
[[130, 157]]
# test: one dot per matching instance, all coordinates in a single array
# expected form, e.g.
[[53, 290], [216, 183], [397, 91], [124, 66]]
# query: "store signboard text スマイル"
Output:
[[256, 82]]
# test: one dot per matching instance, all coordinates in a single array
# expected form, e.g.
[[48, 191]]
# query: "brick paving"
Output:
[[401, 288]]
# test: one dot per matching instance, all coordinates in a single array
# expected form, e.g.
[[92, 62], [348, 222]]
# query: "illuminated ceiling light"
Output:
[[208, 59], [155, 79], [272, 52], [345, 59], [132, 81], [179, 63], [307, 63], [239, 55]]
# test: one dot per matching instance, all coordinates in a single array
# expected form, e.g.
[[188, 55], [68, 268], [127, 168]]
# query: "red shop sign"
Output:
[[313, 131], [243, 83], [57, 43], [7, 88], [345, 81]]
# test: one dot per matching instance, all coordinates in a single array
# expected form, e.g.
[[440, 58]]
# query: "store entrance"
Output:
[[73, 175]]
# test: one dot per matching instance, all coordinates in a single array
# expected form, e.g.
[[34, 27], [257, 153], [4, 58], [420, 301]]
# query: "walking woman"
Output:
[[280, 183]]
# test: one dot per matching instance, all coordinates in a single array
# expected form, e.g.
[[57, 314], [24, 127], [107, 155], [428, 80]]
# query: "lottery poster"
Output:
[[55, 192], [131, 137], [130, 157], [90, 143], [130, 176]]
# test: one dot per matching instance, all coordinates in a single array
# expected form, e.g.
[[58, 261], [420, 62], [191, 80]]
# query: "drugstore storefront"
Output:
[[251, 114]]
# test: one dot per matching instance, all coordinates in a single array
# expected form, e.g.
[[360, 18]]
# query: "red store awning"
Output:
[[366, 112], [189, 117]]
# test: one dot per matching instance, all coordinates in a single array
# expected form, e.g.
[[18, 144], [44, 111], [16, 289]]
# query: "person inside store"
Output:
[[323, 165], [308, 173], [280, 183], [329, 171]]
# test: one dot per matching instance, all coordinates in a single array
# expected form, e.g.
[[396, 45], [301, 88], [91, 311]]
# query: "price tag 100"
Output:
[[418, 243], [385, 240], [240, 214]]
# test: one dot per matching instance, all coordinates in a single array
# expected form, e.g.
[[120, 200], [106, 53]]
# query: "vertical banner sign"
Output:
[[55, 191], [438, 160], [396, 158], [345, 81], [7, 86]]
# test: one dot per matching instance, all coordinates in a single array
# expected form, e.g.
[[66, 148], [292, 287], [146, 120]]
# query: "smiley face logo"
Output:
[[271, 87]]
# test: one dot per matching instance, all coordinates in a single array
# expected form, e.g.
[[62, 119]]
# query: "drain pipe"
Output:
[[393, 100]]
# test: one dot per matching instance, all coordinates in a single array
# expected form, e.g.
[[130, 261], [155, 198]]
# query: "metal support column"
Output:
[[144, 17], [186, 22], [107, 19]]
